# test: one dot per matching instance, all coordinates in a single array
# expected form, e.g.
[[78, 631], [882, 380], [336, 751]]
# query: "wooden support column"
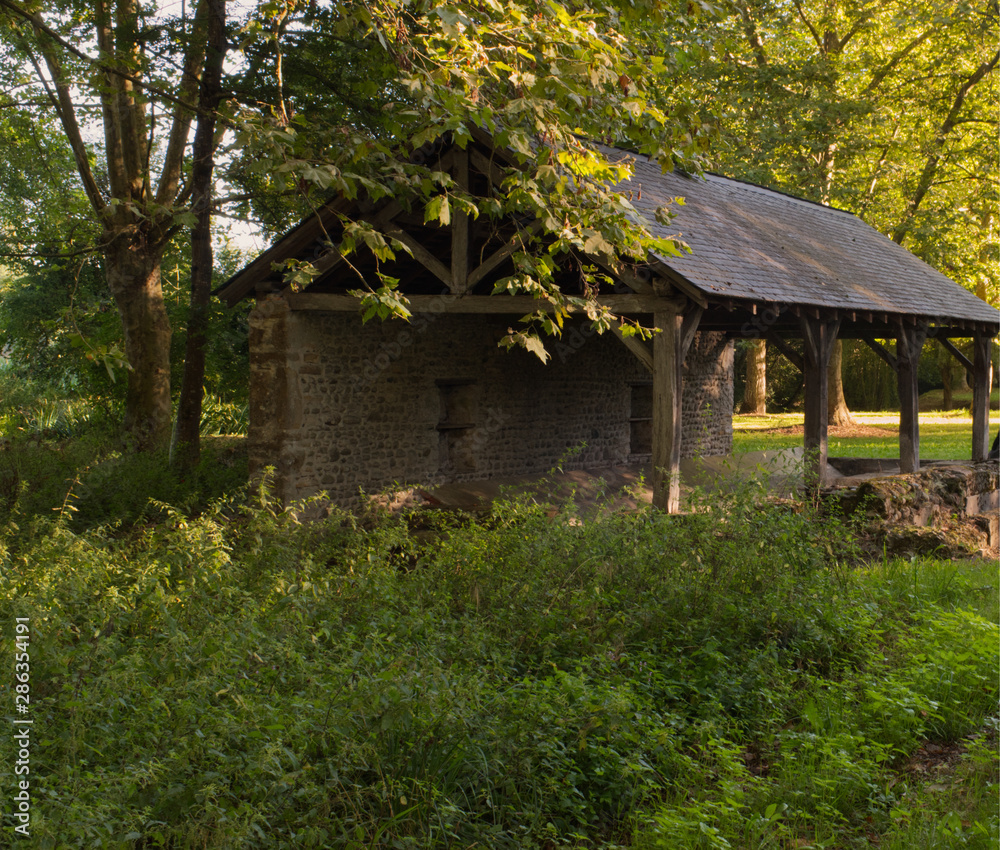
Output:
[[909, 345], [981, 344], [818, 336], [460, 229], [677, 329]]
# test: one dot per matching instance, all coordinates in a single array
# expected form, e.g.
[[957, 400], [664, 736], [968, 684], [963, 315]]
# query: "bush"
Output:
[[519, 679]]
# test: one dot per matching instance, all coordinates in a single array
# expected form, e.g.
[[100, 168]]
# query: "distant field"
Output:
[[943, 435]]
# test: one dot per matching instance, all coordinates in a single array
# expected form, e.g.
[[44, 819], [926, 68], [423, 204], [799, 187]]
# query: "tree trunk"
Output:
[[945, 365], [836, 406], [185, 446], [133, 272], [755, 393]]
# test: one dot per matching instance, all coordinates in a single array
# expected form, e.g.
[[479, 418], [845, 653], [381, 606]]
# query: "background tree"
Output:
[[186, 442], [876, 108], [755, 389]]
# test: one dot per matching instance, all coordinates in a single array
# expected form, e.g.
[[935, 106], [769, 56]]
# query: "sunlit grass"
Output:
[[944, 435]]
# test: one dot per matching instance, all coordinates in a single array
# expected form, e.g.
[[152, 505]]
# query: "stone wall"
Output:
[[707, 401], [337, 405]]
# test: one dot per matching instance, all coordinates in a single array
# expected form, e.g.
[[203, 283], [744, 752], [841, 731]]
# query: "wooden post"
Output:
[[460, 229], [667, 362], [819, 336], [909, 345], [670, 346], [981, 344]]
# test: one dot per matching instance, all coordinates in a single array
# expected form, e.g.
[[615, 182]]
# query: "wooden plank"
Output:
[[819, 337], [460, 229], [909, 345], [488, 304], [981, 345], [880, 350], [636, 346], [790, 354], [667, 363], [949, 346]]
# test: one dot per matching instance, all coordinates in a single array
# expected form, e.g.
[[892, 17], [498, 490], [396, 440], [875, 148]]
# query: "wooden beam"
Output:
[[667, 363], [880, 350], [670, 346], [909, 345], [949, 346], [421, 255], [819, 337], [681, 283], [487, 304], [293, 243], [332, 259], [981, 381], [493, 262], [616, 268], [460, 229], [689, 327], [488, 167], [636, 346], [791, 355]]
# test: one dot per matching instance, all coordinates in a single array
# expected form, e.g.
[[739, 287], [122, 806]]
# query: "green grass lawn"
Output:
[[943, 435]]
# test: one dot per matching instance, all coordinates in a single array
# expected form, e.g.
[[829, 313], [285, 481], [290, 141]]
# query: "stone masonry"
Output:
[[337, 405]]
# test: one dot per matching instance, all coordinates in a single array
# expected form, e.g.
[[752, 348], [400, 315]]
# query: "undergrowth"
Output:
[[731, 677]]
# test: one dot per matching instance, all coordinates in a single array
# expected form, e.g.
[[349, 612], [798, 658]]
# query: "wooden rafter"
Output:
[[790, 354], [681, 283], [496, 259], [486, 304], [421, 254], [636, 346], [881, 351], [949, 346]]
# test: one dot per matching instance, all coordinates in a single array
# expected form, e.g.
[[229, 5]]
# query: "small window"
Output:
[[459, 446], [641, 420]]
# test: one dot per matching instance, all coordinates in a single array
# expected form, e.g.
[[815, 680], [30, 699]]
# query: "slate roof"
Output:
[[753, 243]]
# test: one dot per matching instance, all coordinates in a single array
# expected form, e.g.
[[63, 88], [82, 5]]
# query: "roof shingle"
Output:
[[753, 243]]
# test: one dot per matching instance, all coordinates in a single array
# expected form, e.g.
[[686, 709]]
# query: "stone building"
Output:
[[338, 404]]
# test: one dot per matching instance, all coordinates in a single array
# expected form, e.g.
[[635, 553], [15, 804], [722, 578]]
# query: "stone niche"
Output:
[[337, 405]]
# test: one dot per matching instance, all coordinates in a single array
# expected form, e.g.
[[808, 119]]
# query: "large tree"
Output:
[[880, 108], [122, 84]]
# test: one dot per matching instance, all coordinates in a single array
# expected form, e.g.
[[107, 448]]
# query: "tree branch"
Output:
[[180, 127], [41, 26], [934, 159], [816, 36], [65, 109], [886, 69]]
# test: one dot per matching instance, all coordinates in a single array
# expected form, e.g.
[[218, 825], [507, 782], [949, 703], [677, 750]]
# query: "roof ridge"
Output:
[[785, 194], [683, 172]]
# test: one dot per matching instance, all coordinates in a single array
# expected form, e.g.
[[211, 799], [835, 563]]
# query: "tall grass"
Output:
[[515, 679]]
